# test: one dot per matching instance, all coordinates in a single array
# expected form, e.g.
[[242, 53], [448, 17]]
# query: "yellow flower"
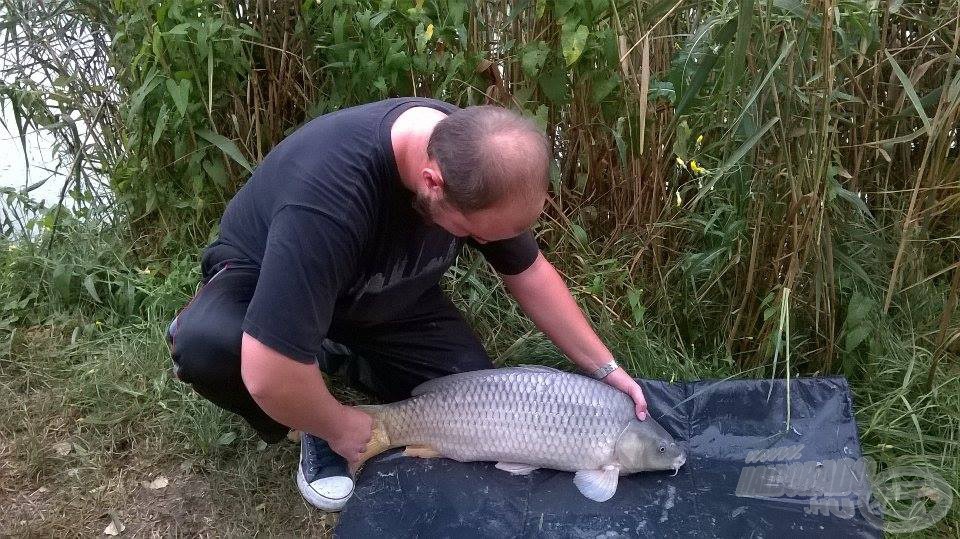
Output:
[[679, 200], [428, 33], [696, 168], [681, 163], [699, 141]]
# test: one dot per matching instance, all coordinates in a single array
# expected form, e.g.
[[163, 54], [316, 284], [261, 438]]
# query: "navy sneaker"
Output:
[[323, 477]]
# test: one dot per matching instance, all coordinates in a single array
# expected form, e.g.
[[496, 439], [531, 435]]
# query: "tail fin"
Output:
[[379, 440]]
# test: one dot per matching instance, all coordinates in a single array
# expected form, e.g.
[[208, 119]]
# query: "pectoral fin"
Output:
[[598, 485], [422, 451], [515, 468]]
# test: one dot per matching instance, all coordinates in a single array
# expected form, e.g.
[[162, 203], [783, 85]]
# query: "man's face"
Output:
[[493, 224]]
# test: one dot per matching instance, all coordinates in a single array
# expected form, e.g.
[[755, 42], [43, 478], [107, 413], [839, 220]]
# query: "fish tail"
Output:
[[380, 438]]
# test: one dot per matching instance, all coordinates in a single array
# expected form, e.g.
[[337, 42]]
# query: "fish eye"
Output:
[[663, 448]]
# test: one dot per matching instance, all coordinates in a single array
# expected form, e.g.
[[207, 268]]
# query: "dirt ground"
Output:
[[83, 454]]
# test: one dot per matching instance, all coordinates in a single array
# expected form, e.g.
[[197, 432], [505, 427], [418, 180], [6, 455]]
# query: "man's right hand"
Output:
[[354, 430], [294, 394]]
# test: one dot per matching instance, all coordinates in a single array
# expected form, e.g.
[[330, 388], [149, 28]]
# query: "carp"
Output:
[[526, 418]]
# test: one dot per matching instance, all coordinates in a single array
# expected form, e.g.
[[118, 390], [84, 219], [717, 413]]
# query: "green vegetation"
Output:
[[741, 189]]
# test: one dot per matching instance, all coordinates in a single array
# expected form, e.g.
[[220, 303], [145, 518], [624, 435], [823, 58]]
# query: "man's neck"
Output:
[[409, 137]]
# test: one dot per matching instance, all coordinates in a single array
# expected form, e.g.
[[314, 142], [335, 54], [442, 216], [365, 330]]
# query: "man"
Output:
[[331, 255]]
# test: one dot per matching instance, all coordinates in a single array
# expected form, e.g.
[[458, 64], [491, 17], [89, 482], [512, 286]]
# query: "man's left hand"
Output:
[[622, 381]]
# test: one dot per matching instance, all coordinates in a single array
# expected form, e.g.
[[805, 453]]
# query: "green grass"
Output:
[[105, 389], [108, 404]]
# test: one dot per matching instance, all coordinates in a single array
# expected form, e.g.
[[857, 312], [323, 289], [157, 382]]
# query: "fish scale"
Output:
[[559, 420]]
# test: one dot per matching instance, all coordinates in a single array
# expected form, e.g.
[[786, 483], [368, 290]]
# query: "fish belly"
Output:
[[547, 419]]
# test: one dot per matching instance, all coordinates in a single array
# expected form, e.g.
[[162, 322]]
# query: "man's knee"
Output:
[[472, 359], [204, 353]]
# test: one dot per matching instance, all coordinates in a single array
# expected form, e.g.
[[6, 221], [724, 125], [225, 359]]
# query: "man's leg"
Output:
[[390, 359], [205, 341], [205, 346]]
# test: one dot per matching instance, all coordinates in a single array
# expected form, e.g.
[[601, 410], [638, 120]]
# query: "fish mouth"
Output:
[[677, 463]]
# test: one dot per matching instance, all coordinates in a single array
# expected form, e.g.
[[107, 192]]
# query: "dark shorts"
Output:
[[386, 359]]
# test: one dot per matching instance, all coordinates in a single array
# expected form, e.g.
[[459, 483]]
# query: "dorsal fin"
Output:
[[437, 384], [539, 368]]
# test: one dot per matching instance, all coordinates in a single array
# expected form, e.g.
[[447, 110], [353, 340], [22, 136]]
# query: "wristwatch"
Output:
[[604, 370]]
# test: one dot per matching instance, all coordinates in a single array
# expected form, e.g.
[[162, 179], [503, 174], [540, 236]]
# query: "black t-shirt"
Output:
[[333, 230]]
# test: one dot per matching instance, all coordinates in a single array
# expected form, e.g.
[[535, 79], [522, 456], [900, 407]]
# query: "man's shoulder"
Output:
[[383, 107]]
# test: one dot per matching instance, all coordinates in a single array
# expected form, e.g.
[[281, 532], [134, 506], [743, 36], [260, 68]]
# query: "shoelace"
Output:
[[319, 456]]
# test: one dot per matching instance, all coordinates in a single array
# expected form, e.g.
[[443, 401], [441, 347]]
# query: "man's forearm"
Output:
[[292, 393], [544, 296]]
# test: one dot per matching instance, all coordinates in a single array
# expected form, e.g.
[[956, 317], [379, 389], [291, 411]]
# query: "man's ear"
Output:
[[432, 178]]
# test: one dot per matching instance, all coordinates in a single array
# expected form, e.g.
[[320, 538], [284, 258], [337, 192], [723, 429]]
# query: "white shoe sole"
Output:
[[314, 498]]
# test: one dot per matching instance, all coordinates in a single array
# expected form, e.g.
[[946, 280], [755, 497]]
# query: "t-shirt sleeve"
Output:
[[510, 256], [309, 256]]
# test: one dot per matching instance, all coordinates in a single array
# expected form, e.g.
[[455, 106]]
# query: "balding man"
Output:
[[332, 253]]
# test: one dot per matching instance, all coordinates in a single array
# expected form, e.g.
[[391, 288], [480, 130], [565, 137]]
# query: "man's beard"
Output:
[[423, 206]]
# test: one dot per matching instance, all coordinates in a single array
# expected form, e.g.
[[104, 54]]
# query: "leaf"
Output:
[[91, 288], [115, 527], [141, 93], [603, 88], [911, 91], [533, 58], [793, 7], [423, 35], [573, 42], [636, 306], [854, 338], [753, 95], [180, 93], [580, 234], [737, 60], [746, 147], [378, 18], [858, 309], [554, 85], [662, 89], [706, 66], [226, 146], [161, 125], [216, 172], [734, 159], [227, 438], [62, 276], [63, 448], [158, 483], [178, 30], [849, 196], [560, 7]]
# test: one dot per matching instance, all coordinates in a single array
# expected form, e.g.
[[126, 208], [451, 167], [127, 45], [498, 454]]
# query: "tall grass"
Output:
[[824, 135], [712, 160]]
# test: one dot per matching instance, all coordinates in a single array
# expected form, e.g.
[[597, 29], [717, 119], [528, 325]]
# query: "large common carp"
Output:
[[526, 418]]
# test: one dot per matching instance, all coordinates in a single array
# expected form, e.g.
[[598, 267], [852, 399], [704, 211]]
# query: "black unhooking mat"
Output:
[[746, 475]]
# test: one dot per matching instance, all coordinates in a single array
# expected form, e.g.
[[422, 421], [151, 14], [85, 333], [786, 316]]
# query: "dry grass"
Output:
[[236, 489]]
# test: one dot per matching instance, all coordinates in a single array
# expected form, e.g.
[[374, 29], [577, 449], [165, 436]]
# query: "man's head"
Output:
[[487, 174]]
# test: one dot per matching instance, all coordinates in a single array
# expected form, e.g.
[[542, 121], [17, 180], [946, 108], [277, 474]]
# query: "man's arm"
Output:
[[294, 394], [544, 296]]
